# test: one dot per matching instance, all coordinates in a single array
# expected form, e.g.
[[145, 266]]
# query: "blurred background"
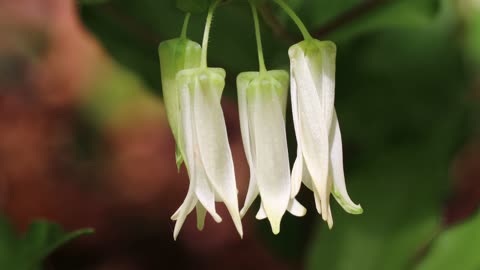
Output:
[[84, 140]]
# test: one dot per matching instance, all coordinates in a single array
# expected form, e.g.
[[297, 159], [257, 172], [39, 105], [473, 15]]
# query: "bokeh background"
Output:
[[84, 140]]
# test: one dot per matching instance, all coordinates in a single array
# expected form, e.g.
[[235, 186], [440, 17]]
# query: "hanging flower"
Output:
[[204, 145], [175, 55], [262, 98], [319, 162]]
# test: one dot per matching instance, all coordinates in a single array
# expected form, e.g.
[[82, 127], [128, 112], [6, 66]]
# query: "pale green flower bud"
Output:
[[319, 162], [175, 55], [262, 98], [204, 143]]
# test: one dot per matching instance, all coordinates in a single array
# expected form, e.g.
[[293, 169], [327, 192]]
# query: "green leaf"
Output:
[[456, 248], [28, 251], [193, 6]]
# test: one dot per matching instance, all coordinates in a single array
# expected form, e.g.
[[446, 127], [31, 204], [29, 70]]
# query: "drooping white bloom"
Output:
[[262, 98], [319, 162], [204, 145], [175, 55]]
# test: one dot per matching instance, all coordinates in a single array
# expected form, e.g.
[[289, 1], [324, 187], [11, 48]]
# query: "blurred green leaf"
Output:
[[473, 36], [401, 214], [28, 251], [400, 103], [456, 248], [368, 16]]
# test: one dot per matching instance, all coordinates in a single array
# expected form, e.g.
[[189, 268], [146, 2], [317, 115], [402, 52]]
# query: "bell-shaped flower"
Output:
[[175, 55], [204, 145], [319, 162], [262, 98]]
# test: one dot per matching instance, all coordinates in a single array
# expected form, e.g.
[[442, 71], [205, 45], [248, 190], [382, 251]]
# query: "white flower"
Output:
[[175, 55], [262, 98], [319, 162], [204, 146]]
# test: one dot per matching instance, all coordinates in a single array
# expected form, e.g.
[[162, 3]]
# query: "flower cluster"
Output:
[[192, 93]]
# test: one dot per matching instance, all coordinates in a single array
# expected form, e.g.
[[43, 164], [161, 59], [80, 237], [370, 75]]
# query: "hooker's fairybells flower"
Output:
[[319, 162], [175, 55], [204, 145], [262, 98]]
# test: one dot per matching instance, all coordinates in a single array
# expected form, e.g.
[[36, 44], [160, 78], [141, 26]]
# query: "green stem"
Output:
[[261, 60], [206, 33], [295, 18], [185, 26]]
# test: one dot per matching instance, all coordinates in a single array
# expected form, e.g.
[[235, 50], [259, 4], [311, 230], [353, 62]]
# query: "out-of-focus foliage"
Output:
[[193, 6], [402, 85], [471, 11], [27, 252], [456, 248]]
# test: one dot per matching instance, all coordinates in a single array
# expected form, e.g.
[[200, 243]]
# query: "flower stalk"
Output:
[[301, 26], [206, 33]]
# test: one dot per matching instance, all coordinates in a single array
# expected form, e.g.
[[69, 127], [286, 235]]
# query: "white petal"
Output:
[[175, 55], [336, 157], [213, 141], [329, 218], [243, 81], [203, 190], [321, 64], [307, 178], [271, 151], [261, 213], [318, 203], [186, 139], [184, 210], [296, 209], [283, 78], [298, 165], [314, 131], [297, 173], [252, 194]]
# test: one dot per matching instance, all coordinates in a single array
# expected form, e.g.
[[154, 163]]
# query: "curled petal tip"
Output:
[[217, 218], [358, 210], [175, 234], [296, 209], [354, 209], [348, 205], [261, 214]]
